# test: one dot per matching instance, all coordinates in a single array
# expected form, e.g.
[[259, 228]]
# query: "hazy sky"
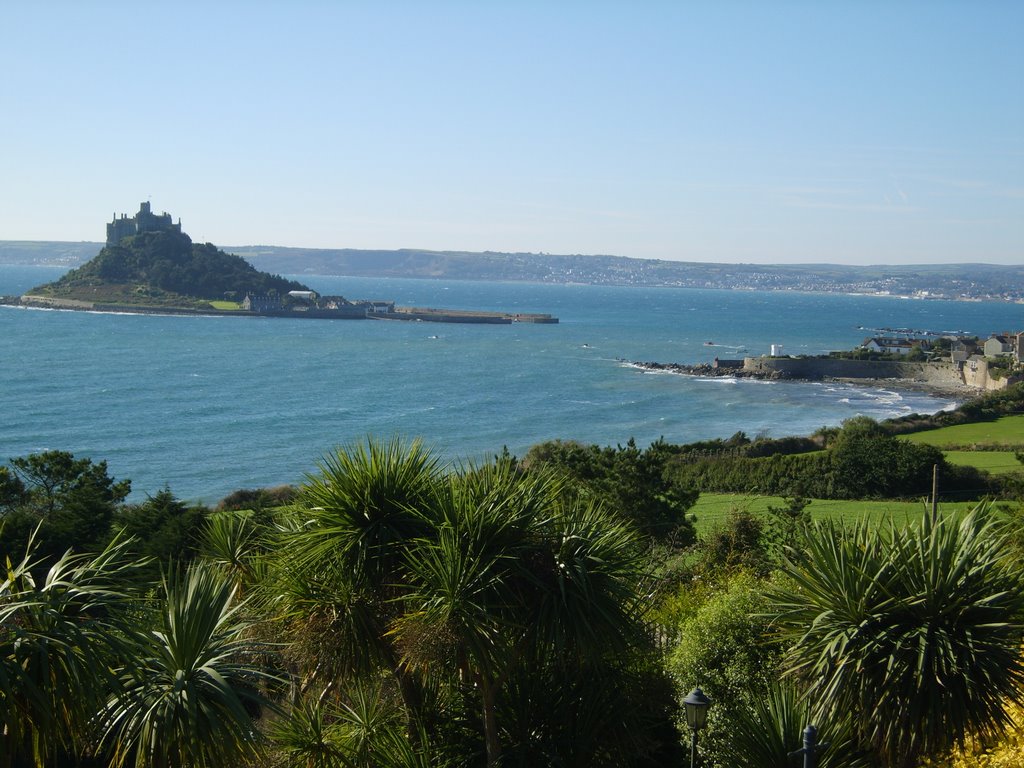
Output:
[[854, 132]]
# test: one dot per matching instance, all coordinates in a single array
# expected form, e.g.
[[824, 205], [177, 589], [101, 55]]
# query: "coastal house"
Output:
[[261, 303], [891, 346], [961, 349], [998, 345]]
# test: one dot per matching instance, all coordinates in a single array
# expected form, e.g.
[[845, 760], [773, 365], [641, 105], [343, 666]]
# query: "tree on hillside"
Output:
[[627, 481], [189, 686], [867, 462], [70, 501], [163, 527]]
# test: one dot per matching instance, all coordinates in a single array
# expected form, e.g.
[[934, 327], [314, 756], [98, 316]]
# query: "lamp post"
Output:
[[696, 705], [811, 747]]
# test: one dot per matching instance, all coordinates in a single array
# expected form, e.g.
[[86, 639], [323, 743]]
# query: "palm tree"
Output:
[[916, 631], [339, 566], [768, 731], [508, 571], [58, 638], [361, 730], [190, 687]]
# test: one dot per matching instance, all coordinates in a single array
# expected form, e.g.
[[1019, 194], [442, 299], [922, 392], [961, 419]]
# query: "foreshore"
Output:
[[939, 389]]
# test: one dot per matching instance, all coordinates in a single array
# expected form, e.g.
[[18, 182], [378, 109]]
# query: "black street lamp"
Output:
[[696, 705]]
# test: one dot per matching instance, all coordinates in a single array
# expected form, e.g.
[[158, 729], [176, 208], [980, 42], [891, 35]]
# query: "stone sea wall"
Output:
[[943, 375]]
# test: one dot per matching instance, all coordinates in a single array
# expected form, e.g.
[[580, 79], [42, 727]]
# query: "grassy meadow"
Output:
[[712, 509], [1006, 433]]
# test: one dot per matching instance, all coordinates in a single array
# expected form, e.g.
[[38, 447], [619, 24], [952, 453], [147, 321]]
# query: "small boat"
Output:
[[709, 343]]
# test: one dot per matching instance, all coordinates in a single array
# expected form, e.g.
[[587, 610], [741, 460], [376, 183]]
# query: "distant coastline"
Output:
[[959, 282]]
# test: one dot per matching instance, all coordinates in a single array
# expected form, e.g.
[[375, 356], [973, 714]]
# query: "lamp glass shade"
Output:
[[696, 704]]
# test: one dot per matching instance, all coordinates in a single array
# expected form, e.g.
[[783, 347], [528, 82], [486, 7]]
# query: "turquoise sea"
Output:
[[206, 405]]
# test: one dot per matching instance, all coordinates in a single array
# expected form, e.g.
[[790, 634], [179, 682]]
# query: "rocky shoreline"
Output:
[[940, 390]]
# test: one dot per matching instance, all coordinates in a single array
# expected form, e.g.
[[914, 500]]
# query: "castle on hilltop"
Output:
[[143, 221]]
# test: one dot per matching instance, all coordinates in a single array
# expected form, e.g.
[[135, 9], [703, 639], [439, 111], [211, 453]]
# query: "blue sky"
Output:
[[773, 132]]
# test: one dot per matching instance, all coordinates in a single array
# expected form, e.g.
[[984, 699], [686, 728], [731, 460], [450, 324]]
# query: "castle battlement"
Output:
[[143, 221]]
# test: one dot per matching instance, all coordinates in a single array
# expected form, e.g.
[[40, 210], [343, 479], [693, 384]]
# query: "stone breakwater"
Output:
[[938, 378]]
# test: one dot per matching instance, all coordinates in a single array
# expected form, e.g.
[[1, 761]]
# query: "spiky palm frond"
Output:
[[587, 589], [336, 563], [233, 541], [365, 503], [358, 729], [770, 729], [57, 642], [917, 628], [188, 690]]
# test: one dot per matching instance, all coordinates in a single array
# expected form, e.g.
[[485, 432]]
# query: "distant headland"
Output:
[[149, 265], [961, 282]]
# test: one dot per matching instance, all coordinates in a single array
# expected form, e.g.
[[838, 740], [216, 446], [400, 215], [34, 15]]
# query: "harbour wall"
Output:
[[973, 373]]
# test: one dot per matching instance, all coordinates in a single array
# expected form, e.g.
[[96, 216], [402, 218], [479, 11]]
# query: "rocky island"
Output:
[[149, 265]]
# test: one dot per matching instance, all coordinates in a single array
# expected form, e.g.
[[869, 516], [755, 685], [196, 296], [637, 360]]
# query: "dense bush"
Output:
[[725, 648], [258, 498], [862, 462], [627, 481]]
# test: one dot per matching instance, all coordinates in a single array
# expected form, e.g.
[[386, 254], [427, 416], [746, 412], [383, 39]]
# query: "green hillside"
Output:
[[1006, 433], [164, 268]]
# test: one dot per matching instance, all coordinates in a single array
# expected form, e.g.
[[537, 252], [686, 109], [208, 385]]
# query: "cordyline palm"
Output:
[[339, 565], [189, 687], [364, 730], [57, 640], [508, 570], [917, 631], [770, 729]]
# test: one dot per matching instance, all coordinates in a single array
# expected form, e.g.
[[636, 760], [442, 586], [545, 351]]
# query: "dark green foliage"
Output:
[[71, 502], [258, 499], [628, 481], [770, 729], [737, 544], [163, 527], [778, 475], [784, 528], [915, 632], [145, 267], [863, 462], [868, 463], [725, 648], [590, 714]]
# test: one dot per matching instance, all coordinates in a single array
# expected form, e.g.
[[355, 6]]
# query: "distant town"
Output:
[[971, 282]]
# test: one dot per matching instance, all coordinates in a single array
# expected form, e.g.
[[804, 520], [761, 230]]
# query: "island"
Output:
[[149, 265]]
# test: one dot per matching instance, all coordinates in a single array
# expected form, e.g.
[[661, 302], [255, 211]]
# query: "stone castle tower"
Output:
[[143, 221]]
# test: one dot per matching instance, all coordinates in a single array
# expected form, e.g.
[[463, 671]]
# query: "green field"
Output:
[[1006, 433], [712, 509], [225, 305], [996, 462]]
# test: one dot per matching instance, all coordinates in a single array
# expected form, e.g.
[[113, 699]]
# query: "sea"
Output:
[[207, 405]]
